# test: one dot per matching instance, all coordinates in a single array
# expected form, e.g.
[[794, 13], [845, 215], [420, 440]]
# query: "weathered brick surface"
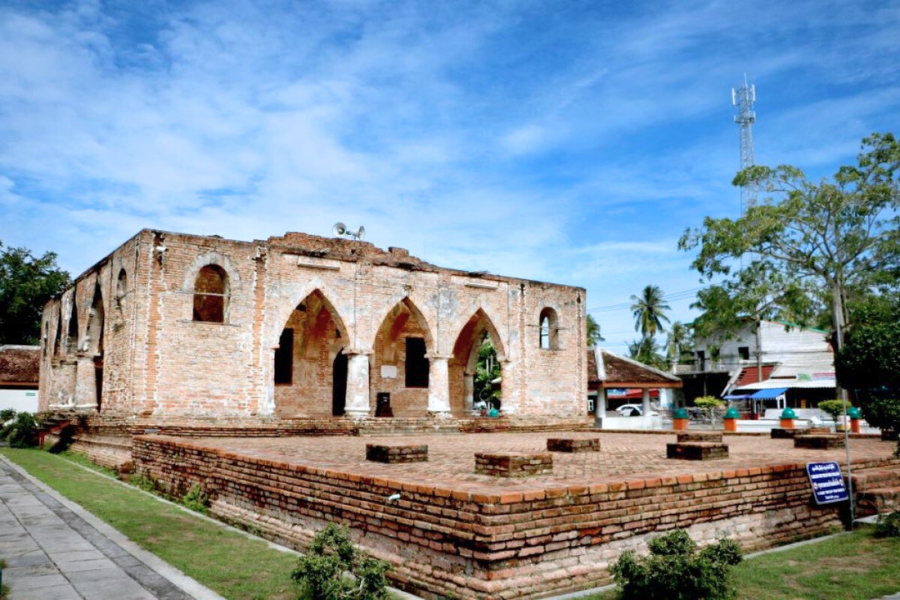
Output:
[[820, 442], [696, 451], [573, 444], [456, 532], [513, 464], [129, 324], [396, 453], [700, 436]]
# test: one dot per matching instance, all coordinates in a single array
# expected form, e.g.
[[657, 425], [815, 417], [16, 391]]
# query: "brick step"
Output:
[[878, 500], [696, 451]]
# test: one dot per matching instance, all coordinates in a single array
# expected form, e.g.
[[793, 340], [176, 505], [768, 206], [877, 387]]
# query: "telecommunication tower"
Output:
[[743, 98]]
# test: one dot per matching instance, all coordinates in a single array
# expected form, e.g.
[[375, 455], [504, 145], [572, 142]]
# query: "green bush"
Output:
[[674, 570], [888, 526], [196, 499], [335, 570], [23, 432], [834, 409], [7, 414]]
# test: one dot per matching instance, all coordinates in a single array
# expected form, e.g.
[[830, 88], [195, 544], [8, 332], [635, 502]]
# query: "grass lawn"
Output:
[[227, 562]]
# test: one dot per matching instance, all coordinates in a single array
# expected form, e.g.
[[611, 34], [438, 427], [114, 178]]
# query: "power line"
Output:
[[673, 297]]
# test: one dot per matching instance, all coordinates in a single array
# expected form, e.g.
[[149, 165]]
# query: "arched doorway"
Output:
[[339, 384], [400, 365], [94, 343], [310, 378], [475, 369]]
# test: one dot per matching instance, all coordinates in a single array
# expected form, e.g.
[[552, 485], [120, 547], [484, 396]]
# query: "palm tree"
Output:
[[645, 350], [593, 332], [678, 342], [649, 311]]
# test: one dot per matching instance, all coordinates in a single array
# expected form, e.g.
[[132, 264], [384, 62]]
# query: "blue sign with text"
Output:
[[827, 482]]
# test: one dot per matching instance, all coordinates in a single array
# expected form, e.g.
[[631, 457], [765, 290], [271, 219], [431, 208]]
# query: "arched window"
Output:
[[549, 330], [121, 290], [72, 334], [211, 294]]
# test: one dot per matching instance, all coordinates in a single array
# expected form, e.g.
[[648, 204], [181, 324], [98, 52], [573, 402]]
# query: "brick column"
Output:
[[357, 405], [438, 385], [469, 382], [509, 404], [85, 382]]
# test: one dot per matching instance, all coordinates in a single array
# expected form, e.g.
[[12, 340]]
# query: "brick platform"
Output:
[[696, 451], [573, 445], [784, 434], [820, 442], [396, 454], [513, 465], [456, 532], [700, 436]]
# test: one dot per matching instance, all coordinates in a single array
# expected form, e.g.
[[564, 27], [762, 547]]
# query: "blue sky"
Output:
[[563, 141]]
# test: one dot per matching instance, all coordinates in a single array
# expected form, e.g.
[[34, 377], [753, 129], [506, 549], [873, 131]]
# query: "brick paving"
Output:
[[451, 461]]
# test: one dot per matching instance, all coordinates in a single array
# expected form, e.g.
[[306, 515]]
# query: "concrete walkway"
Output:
[[55, 549]]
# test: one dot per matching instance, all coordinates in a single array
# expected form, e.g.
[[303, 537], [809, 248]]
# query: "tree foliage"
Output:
[[487, 369], [840, 236], [335, 570], [593, 334], [679, 343], [647, 351], [674, 570], [649, 310], [869, 361], [26, 284]]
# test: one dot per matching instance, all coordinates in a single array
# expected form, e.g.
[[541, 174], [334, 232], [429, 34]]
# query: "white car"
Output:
[[633, 410]]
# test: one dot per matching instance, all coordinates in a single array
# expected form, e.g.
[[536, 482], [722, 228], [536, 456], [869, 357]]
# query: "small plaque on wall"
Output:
[[389, 371]]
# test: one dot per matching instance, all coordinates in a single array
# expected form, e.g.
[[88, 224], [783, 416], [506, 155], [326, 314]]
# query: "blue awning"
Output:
[[769, 394]]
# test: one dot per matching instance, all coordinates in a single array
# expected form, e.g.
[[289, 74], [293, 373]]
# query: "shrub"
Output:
[[834, 409], [23, 431], [7, 414], [710, 405], [196, 499], [888, 526], [335, 570], [674, 570]]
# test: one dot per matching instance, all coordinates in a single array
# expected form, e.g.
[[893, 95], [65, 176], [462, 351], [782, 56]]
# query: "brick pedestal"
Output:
[[700, 436], [396, 454], [573, 445], [784, 434], [513, 464], [696, 451], [819, 442]]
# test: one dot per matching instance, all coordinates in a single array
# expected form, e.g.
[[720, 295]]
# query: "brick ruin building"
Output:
[[176, 330]]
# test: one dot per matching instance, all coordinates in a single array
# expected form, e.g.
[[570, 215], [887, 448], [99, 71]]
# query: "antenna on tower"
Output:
[[743, 98]]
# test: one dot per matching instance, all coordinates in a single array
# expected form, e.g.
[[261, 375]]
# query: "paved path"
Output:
[[55, 550]]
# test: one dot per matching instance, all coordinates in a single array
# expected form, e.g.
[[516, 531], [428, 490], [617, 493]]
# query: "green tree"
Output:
[[869, 361], [649, 311], [647, 351], [839, 235], [680, 343], [593, 332], [26, 284], [487, 369]]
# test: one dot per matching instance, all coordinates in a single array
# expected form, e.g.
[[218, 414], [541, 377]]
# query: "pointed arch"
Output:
[[314, 334], [463, 364], [94, 335], [72, 331], [400, 365]]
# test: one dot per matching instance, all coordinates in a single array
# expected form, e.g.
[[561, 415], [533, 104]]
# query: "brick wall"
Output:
[[158, 360], [504, 545]]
